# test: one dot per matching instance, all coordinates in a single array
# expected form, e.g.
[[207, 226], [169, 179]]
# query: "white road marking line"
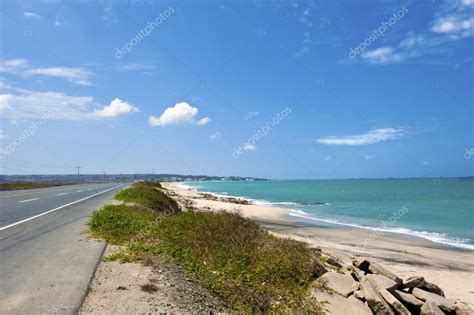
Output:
[[61, 194], [56, 209], [79, 191], [28, 200]]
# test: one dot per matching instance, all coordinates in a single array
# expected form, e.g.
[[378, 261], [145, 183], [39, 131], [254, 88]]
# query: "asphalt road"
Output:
[[46, 258]]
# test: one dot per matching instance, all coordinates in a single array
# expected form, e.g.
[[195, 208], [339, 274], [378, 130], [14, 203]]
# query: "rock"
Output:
[[441, 302], [340, 283], [334, 261], [413, 282], [375, 301], [380, 282], [430, 308], [336, 304], [431, 287], [394, 303], [359, 294], [378, 269], [361, 263], [408, 299]]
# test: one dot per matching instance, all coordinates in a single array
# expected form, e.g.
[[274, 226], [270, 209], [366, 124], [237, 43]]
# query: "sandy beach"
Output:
[[451, 269]]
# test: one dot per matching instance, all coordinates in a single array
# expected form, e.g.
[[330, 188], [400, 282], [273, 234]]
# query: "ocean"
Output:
[[440, 210]]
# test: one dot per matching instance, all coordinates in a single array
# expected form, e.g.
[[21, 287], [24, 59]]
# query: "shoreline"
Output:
[[407, 255], [299, 216]]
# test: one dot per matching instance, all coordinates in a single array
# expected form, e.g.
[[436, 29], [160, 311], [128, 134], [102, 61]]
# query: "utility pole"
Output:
[[78, 173]]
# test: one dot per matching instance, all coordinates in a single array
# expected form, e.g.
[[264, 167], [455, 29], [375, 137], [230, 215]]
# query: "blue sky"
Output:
[[280, 89]]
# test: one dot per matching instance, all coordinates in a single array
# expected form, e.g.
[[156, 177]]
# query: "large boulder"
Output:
[[442, 302], [381, 282], [339, 283], [408, 299], [430, 308], [375, 301], [394, 303], [431, 287], [378, 269], [336, 304]]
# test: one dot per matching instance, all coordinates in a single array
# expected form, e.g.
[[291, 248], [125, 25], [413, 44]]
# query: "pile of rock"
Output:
[[366, 287]]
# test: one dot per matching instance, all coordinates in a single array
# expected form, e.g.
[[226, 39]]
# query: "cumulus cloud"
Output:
[[22, 67], [31, 15], [116, 108], [370, 137], [33, 105], [382, 55], [180, 113]]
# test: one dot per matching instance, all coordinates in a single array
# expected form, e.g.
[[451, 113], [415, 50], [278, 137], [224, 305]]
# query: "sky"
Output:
[[274, 89]]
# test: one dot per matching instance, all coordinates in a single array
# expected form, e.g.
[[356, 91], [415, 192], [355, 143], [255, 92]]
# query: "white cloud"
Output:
[[21, 67], [180, 113], [31, 14], [132, 67], [382, 55], [412, 40], [369, 157], [33, 105], [204, 121], [75, 75], [2, 135], [249, 147], [13, 65], [116, 108], [5, 100], [370, 137], [216, 135], [328, 158], [250, 115], [454, 25]]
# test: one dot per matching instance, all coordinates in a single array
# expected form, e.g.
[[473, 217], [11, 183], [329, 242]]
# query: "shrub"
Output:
[[147, 196]]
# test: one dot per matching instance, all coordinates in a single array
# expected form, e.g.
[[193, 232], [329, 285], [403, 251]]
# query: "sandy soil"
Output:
[[452, 270], [117, 289]]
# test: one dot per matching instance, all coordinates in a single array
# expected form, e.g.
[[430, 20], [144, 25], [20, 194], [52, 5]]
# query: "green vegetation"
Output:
[[251, 270], [31, 185], [148, 194]]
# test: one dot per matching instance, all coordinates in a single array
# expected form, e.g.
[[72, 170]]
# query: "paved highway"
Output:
[[46, 258]]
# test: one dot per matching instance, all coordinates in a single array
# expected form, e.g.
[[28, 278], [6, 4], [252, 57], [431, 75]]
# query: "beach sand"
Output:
[[451, 269]]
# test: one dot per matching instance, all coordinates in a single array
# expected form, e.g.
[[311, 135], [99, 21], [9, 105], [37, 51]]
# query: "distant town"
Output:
[[95, 178]]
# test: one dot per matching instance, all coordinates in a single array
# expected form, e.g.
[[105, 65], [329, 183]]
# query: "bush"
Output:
[[117, 224], [148, 196]]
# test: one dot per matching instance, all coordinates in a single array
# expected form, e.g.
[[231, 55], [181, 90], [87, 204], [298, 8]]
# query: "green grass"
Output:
[[251, 270], [118, 224], [31, 185], [149, 195]]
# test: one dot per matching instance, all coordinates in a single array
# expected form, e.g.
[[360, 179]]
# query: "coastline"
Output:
[[406, 255]]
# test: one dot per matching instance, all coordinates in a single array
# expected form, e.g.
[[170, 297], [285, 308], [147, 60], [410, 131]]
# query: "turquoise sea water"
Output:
[[441, 210]]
